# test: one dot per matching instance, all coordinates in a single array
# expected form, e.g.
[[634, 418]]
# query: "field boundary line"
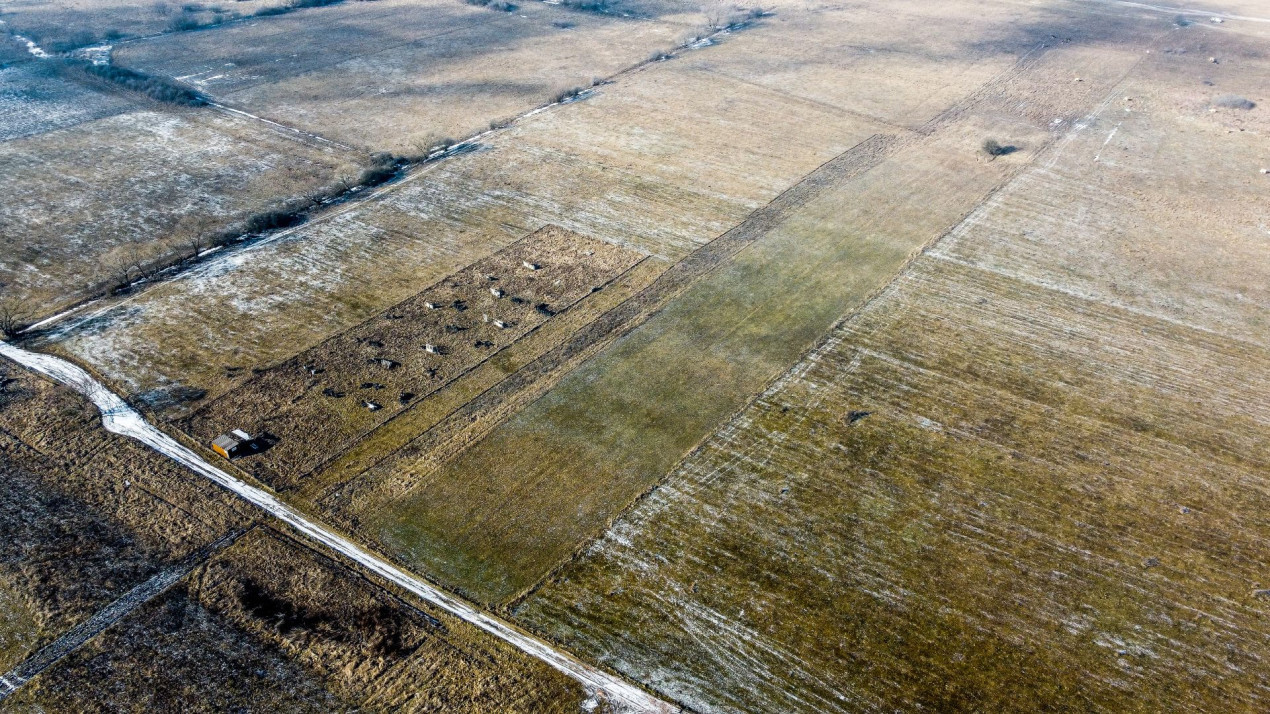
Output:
[[637, 309], [120, 418], [352, 199]]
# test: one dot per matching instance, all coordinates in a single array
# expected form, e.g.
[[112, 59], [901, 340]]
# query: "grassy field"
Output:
[[355, 382], [602, 167], [269, 624], [173, 654], [36, 97], [558, 472], [371, 648], [1030, 475], [389, 74], [87, 515], [95, 189], [865, 417]]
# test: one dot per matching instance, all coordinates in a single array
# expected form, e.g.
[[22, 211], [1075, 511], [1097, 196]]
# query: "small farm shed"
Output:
[[235, 443]]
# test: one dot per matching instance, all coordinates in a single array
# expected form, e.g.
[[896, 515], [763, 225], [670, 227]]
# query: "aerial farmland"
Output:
[[634, 356]]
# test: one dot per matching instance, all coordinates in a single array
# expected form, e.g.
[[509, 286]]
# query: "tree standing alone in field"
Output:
[[994, 148]]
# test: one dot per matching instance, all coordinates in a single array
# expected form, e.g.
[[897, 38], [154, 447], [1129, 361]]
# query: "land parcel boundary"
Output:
[[315, 405], [496, 519], [558, 472]]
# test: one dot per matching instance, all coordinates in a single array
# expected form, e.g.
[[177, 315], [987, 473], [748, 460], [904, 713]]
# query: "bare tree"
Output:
[[716, 15], [15, 316], [196, 231], [120, 271], [138, 257]]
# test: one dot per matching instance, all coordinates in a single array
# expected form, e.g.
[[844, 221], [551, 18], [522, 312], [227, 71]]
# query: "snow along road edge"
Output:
[[120, 418]]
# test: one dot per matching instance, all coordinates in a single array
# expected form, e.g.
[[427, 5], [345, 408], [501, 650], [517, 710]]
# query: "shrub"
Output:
[[1234, 101], [159, 88], [994, 148], [565, 95], [382, 168], [272, 220], [184, 22], [588, 5], [500, 5], [293, 5]]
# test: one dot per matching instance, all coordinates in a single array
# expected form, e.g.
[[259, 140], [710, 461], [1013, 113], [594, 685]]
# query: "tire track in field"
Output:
[[119, 418], [78, 635]]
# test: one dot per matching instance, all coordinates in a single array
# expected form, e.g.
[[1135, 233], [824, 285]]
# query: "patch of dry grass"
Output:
[[315, 405], [93, 201], [87, 515], [1031, 475]]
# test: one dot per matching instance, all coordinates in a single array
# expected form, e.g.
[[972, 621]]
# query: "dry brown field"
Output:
[[265, 622], [389, 74], [1027, 476], [87, 515], [89, 199], [814, 402]]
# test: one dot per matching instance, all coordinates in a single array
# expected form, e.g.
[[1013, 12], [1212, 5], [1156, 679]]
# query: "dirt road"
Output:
[[119, 418]]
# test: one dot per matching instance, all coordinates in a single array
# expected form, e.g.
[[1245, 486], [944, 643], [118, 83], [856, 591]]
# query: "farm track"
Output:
[[315, 140], [450, 436], [349, 200], [80, 634], [120, 418]]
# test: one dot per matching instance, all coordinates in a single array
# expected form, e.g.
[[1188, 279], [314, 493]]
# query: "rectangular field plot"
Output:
[[312, 406], [971, 467]]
